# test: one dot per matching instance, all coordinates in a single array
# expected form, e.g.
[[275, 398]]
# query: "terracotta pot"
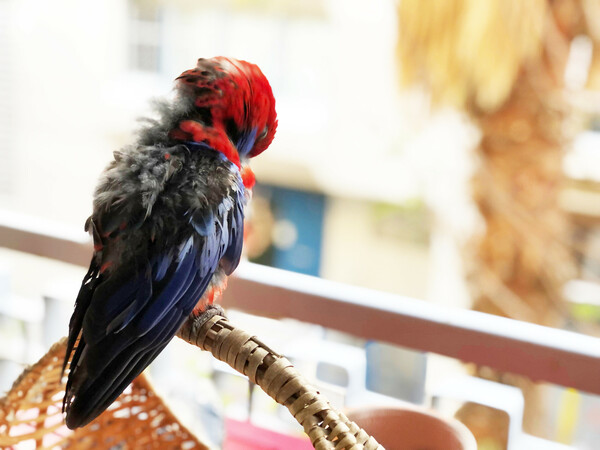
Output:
[[412, 428]]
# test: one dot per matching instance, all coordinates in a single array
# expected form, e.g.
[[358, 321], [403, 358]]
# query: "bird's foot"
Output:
[[201, 316], [190, 329]]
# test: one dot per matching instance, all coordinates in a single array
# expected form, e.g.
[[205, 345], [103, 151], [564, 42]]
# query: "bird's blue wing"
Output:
[[126, 315], [235, 217]]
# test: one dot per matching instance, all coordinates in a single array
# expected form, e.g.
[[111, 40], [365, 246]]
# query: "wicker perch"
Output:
[[327, 428], [32, 410]]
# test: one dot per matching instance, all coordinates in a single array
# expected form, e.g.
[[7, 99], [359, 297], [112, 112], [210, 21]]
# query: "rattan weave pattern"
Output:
[[327, 428], [32, 411]]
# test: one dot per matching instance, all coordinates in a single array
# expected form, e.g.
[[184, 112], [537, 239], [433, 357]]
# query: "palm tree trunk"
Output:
[[519, 265], [523, 259]]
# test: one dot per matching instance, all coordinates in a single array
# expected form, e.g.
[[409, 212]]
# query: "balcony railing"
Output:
[[540, 353]]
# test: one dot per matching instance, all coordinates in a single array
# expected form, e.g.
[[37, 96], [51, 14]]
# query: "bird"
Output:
[[167, 226]]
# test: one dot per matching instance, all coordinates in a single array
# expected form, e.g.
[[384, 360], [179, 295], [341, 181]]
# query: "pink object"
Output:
[[243, 435]]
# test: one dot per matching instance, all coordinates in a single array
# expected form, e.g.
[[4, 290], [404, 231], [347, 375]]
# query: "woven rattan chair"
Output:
[[31, 411]]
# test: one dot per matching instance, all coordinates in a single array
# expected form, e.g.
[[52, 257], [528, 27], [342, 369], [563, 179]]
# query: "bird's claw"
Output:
[[208, 312]]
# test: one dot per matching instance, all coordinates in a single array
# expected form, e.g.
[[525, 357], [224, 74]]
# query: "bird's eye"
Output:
[[264, 133]]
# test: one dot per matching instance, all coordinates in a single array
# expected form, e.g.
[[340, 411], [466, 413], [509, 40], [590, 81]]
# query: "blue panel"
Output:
[[305, 211]]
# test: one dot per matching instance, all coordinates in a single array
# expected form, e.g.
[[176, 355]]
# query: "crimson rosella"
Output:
[[167, 224]]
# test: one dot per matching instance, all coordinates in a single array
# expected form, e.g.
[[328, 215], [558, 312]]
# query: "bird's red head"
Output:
[[234, 107]]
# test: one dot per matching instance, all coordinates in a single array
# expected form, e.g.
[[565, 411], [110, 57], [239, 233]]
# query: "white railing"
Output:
[[541, 353]]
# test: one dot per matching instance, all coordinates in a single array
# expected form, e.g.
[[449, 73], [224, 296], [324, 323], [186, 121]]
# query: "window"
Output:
[[145, 35]]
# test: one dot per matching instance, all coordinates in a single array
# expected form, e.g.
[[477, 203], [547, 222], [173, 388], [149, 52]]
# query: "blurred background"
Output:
[[446, 151]]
